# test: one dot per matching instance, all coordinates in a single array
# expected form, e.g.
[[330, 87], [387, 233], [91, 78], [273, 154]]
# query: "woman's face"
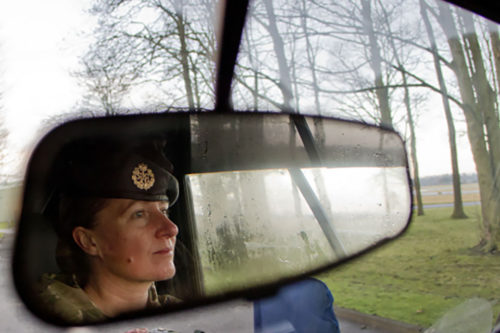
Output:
[[135, 240]]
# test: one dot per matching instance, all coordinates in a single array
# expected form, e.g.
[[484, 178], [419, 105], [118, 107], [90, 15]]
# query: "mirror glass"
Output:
[[256, 199], [256, 226]]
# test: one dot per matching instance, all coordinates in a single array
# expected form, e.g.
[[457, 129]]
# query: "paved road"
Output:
[[352, 327], [229, 317]]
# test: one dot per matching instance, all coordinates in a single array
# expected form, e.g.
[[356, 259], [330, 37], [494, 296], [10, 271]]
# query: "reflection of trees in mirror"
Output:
[[231, 248], [241, 245]]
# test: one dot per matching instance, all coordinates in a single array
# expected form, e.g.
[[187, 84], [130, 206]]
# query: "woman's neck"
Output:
[[113, 295]]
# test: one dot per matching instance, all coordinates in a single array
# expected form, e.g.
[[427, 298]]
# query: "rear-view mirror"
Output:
[[262, 198]]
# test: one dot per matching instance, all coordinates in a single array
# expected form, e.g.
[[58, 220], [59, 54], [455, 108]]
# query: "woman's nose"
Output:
[[167, 228]]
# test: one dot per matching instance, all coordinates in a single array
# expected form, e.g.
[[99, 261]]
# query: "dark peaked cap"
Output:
[[119, 169]]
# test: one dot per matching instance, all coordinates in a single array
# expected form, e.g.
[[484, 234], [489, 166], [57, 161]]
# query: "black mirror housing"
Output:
[[289, 194]]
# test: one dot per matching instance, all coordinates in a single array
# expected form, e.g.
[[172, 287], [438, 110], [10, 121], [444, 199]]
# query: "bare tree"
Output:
[[458, 209], [355, 56], [495, 55], [285, 82], [398, 56], [376, 63], [164, 45], [483, 127], [108, 74]]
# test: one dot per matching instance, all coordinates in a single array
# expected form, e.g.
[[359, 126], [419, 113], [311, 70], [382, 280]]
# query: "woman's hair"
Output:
[[74, 212]]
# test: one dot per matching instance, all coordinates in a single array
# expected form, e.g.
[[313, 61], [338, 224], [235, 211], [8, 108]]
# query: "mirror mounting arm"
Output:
[[300, 180], [312, 200], [307, 138], [228, 39]]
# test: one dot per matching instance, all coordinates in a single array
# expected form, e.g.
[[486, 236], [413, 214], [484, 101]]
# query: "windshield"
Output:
[[427, 69]]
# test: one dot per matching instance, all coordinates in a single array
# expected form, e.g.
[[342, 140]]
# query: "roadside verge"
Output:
[[376, 322]]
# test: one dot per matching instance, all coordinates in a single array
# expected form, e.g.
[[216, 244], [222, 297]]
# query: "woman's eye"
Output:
[[165, 211], [138, 214]]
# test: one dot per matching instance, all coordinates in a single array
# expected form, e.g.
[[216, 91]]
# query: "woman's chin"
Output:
[[167, 273]]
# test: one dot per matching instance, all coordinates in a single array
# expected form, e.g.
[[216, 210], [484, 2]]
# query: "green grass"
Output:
[[421, 275]]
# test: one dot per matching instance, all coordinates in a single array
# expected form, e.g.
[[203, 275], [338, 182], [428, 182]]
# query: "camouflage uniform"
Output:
[[61, 296]]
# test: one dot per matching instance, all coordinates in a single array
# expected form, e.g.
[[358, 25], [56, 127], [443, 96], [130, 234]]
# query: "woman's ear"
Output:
[[85, 240]]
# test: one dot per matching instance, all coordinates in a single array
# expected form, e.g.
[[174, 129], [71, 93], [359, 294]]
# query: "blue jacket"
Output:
[[305, 306]]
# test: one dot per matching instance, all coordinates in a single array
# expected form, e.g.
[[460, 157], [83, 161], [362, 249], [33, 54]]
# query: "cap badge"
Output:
[[143, 177]]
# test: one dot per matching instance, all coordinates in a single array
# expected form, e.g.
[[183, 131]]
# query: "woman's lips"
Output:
[[167, 247], [167, 250]]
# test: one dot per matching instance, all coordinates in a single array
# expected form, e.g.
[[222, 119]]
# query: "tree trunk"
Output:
[[411, 124], [310, 56], [381, 91], [279, 49], [488, 188], [255, 91], [485, 94], [184, 54], [487, 106], [495, 47], [413, 143], [458, 208]]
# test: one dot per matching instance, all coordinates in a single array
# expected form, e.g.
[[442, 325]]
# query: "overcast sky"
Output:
[[40, 42]]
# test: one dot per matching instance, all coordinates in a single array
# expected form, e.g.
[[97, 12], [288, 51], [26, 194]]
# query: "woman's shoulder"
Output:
[[168, 300], [63, 298], [160, 300]]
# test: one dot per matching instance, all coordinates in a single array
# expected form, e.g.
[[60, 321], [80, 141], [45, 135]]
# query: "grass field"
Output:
[[421, 275]]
